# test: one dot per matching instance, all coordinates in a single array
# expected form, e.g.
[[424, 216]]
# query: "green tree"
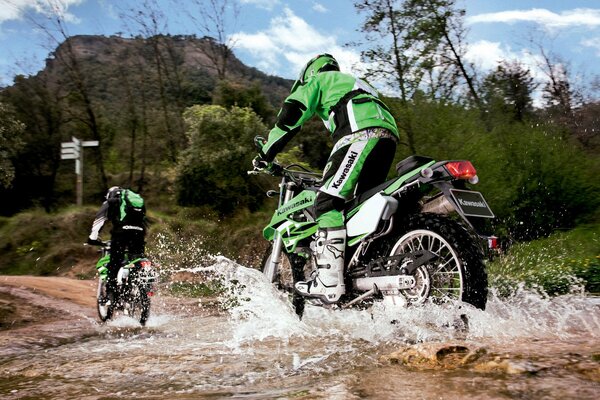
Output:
[[213, 169], [536, 179], [10, 144], [36, 104], [419, 46], [508, 89], [85, 112], [243, 94]]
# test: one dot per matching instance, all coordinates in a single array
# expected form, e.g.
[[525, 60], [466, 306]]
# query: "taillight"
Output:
[[461, 169]]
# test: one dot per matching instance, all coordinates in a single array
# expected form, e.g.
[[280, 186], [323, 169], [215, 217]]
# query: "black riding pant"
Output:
[[130, 243]]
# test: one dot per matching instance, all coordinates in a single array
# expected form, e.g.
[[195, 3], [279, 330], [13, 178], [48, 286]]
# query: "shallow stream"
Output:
[[525, 347]]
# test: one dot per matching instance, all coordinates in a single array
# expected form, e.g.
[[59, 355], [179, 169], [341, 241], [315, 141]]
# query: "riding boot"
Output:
[[111, 284], [327, 282]]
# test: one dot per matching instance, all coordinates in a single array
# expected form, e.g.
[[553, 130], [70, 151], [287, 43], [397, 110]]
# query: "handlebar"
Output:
[[97, 242], [299, 174]]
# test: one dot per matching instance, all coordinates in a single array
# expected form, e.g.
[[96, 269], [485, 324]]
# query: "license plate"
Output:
[[472, 204]]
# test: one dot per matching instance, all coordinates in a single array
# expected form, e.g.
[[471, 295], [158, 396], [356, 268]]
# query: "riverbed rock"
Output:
[[436, 355], [507, 366]]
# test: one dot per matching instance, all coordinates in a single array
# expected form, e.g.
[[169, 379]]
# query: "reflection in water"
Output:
[[259, 348]]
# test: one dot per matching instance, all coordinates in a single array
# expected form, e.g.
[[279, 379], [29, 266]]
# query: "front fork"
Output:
[[272, 266]]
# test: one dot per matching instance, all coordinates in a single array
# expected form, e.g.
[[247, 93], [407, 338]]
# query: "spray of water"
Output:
[[258, 312]]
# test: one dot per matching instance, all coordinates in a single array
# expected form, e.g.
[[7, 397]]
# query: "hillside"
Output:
[[129, 94], [183, 60]]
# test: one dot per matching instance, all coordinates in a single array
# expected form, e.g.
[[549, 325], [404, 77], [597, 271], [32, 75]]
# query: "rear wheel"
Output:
[[139, 304], [457, 273], [291, 270], [144, 308]]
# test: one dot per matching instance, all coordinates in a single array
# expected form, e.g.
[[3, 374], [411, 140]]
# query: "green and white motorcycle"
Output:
[[410, 240], [134, 287]]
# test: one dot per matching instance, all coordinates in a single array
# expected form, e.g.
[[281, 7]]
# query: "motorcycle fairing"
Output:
[[380, 205], [367, 219], [301, 201], [103, 261], [293, 232]]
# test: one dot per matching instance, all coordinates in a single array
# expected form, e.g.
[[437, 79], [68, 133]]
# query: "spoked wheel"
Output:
[[291, 270], [138, 306], [145, 310], [457, 273], [143, 305], [105, 302]]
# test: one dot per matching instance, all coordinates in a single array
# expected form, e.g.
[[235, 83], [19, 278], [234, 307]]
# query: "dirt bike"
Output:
[[134, 287], [403, 245]]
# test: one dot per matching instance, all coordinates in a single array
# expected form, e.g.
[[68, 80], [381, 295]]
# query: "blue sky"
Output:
[[278, 36]]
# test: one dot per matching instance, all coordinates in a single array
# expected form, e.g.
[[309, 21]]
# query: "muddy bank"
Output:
[[38, 312]]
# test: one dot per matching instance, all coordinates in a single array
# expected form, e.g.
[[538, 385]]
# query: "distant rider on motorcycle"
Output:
[[364, 135], [126, 211]]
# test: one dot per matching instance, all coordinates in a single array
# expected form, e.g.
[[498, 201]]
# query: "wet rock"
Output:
[[8, 313], [435, 355], [591, 370], [512, 367]]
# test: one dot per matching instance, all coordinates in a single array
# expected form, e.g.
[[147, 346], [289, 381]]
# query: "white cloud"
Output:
[[289, 43], [594, 43], [486, 55], [586, 17], [318, 7], [266, 4], [16, 9]]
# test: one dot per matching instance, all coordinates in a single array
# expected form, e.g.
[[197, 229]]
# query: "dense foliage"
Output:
[[212, 170], [11, 143]]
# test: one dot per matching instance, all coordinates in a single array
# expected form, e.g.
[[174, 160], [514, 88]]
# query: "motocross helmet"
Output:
[[112, 191], [321, 63]]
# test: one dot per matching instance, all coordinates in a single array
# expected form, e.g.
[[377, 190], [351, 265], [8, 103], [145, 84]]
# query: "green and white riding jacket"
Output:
[[344, 103]]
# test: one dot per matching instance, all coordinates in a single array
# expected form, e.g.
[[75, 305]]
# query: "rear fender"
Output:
[[445, 203]]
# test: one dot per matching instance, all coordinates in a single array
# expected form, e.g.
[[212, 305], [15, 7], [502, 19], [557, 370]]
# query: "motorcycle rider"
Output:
[[127, 213], [364, 135]]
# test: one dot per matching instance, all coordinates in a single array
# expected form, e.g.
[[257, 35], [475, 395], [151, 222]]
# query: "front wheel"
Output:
[[291, 270], [457, 272], [105, 301]]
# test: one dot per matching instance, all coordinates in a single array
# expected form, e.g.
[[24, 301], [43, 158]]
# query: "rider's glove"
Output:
[[94, 242]]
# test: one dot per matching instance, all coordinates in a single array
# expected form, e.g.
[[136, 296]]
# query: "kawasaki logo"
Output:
[[132, 227], [292, 206], [351, 160], [480, 204]]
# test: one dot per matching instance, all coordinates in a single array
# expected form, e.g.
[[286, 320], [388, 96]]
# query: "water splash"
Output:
[[258, 312], [262, 312]]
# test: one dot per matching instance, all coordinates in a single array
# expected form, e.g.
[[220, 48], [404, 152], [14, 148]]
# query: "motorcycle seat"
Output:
[[408, 164], [366, 195]]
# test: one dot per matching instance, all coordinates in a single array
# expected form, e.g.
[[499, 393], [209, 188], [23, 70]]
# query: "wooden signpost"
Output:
[[74, 151]]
